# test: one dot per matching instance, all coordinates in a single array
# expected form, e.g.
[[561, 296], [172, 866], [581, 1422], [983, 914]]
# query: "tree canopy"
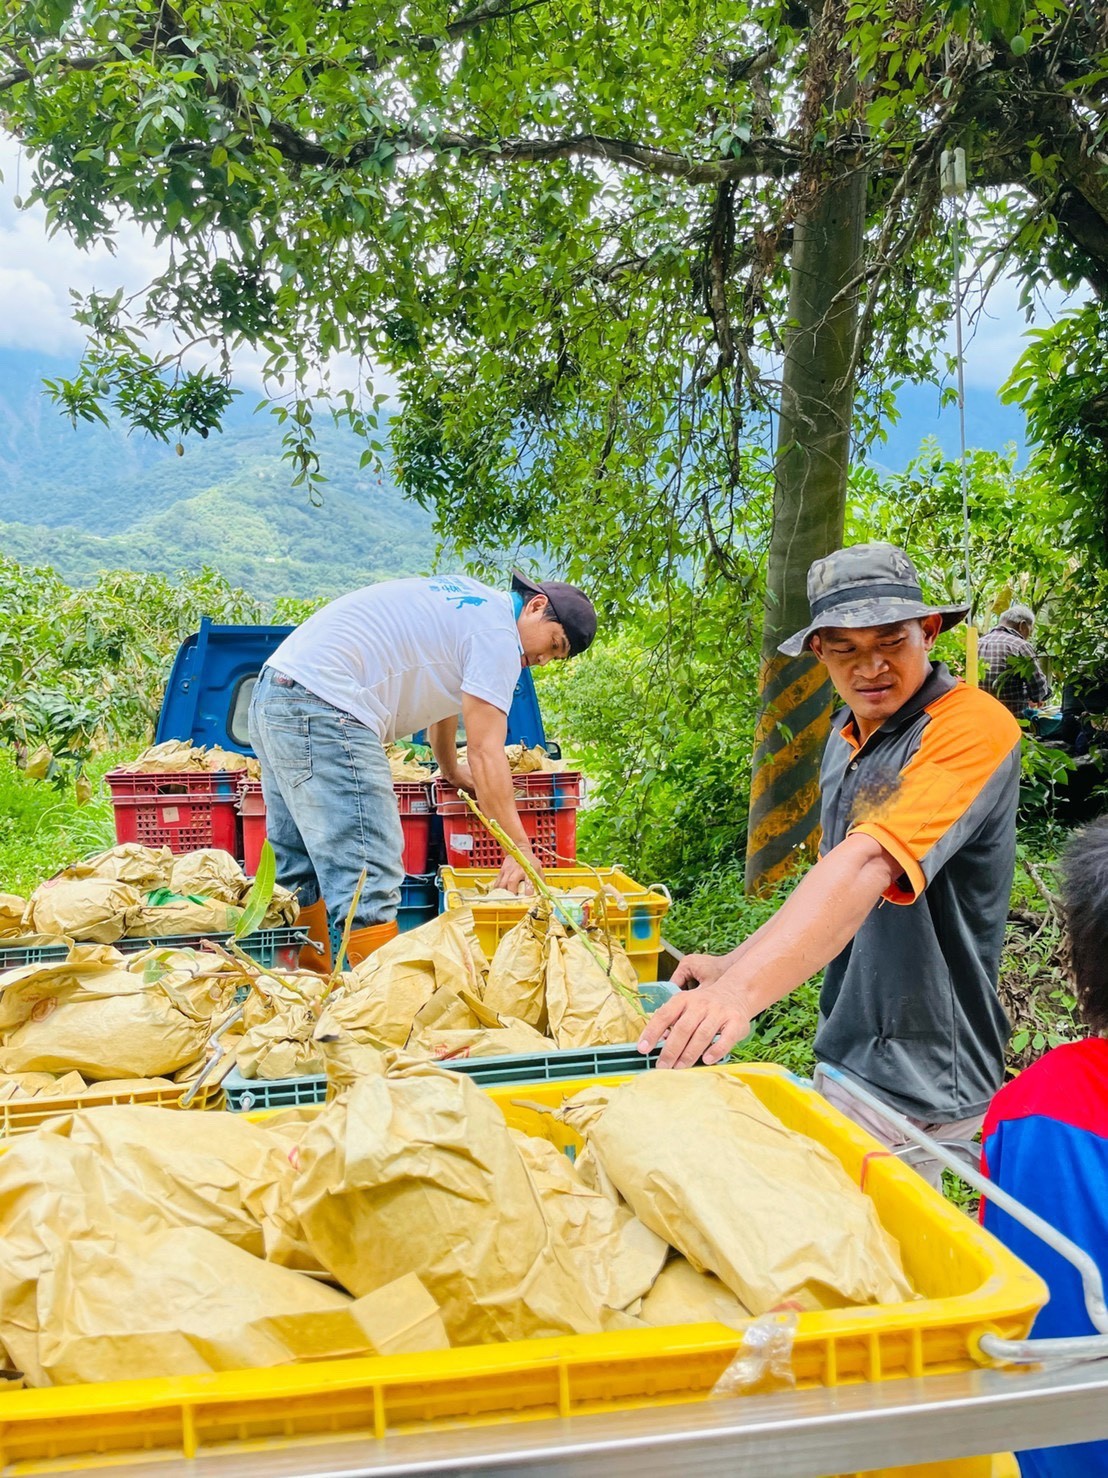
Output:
[[562, 228]]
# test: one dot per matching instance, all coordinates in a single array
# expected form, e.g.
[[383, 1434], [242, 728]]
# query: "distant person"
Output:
[[1045, 1139], [908, 902], [369, 668], [1013, 674]]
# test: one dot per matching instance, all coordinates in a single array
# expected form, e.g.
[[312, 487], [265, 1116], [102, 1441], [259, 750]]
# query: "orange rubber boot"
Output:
[[314, 920], [363, 942]]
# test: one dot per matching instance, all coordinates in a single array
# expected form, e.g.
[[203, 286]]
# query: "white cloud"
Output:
[[37, 272]]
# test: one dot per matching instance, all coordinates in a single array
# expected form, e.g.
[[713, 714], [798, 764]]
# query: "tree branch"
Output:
[[494, 10], [760, 157]]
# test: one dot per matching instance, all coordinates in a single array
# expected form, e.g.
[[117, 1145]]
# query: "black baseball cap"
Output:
[[572, 608]]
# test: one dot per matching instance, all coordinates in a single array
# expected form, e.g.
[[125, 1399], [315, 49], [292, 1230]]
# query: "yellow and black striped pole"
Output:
[[796, 702]]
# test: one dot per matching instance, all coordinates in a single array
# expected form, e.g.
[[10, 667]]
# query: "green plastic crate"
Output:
[[247, 1095]]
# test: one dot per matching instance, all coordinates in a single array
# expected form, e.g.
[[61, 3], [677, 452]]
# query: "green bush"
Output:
[[43, 828]]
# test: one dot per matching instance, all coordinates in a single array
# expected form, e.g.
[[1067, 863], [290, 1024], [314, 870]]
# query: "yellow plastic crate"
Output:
[[637, 925], [21, 1115], [971, 1285]]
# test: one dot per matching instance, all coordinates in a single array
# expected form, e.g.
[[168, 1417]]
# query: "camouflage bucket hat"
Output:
[[865, 585]]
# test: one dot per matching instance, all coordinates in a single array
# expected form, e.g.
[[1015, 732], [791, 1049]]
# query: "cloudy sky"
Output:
[[37, 272]]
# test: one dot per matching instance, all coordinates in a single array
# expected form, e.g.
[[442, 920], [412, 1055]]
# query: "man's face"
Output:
[[876, 669], [543, 641]]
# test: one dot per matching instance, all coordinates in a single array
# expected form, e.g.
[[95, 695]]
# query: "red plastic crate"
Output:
[[252, 811], [547, 806], [182, 811], [413, 799]]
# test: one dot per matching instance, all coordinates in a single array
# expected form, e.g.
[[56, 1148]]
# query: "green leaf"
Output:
[[257, 901]]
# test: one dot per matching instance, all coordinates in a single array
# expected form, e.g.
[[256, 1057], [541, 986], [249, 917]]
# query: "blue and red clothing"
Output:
[[1045, 1142]]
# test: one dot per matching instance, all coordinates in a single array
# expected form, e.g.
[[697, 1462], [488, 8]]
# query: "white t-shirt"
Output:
[[399, 655]]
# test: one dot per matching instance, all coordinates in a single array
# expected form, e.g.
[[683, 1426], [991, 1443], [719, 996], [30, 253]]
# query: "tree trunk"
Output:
[[813, 452]]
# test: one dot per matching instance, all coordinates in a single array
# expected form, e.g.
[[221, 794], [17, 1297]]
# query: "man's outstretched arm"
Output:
[[815, 923]]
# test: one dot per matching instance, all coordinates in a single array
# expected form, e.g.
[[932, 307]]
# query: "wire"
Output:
[[953, 175]]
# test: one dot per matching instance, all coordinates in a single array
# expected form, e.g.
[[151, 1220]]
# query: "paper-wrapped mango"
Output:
[[12, 909], [92, 909], [618, 1258], [772, 1213], [180, 1301], [208, 873], [96, 1016], [416, 1171], [385, 993], [516, 984], [164, 914], [129, 862], [681, 1295], [590, 1005], [282, 1047]]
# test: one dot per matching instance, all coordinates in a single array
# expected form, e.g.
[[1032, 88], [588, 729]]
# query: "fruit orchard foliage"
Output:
[[662, 714], [84, 669], [563, 230]]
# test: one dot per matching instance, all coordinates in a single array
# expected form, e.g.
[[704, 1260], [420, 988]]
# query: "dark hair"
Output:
[[1085, 899]]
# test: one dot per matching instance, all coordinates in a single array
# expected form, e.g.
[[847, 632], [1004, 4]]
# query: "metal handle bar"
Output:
[[219, 1052], [1017, 1351]]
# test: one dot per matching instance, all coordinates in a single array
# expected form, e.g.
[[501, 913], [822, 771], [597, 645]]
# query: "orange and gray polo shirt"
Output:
[[910, 1006]]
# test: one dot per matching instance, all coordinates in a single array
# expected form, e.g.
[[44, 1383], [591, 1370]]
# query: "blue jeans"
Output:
[[330, 806]]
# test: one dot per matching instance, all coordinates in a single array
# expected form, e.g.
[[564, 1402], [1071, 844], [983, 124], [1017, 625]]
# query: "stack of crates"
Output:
[[413, 799], [182, 810], [418, 894], [252, 815], [547, 804], [634, 918]]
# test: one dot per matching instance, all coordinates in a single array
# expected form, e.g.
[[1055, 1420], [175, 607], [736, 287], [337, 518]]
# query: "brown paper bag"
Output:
[[283, 910], [617, 1257], [516, 985], [208, 873], [176, 916], [588, 1007], [384, 994], [204, 1170], [12, 909], [345, 1059], [181, 1302], [416, 1171], [769, 1211], [40, 1085], [93, 909], [512, 1038], [283, 1047], [98, 1018], [443, 1011], [681, 1295], [129, 862]]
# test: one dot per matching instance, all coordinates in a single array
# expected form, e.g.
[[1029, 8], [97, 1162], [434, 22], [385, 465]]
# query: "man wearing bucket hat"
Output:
[[371, 667], [907, 904]]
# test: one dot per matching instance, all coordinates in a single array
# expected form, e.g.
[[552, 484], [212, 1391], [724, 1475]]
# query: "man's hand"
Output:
[[513, 877], [702, 1023], [460, 777], [698, 970]]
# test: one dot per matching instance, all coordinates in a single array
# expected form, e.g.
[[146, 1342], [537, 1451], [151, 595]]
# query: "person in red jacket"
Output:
[[1045, 1139]]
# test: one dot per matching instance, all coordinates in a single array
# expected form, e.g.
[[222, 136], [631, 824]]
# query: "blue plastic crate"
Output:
[[270, 948], [419, 901], [247, 1094]]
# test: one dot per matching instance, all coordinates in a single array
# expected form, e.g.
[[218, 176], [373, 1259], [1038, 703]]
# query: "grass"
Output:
[[43, 828], [716, 917]]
